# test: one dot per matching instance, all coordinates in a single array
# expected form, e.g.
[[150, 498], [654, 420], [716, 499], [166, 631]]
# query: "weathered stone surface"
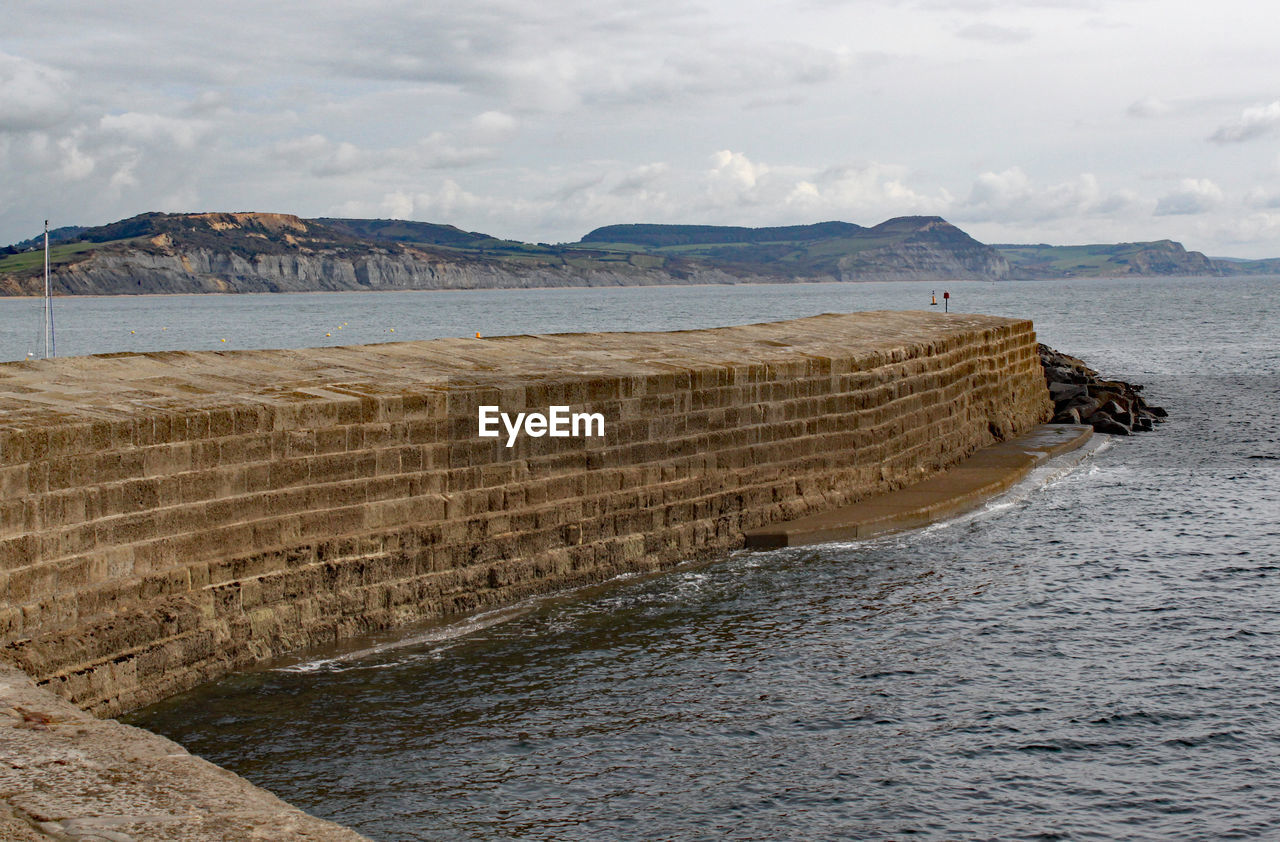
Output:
[[68, 776]]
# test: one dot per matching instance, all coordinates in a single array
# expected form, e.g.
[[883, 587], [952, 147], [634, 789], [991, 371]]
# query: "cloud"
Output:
[[641, 180], [1011, 197], [1193, 196], [734, 173], [995, 34], [1261, 226], [864, 192], [151, 128], [544, 120], [62, 158], [733, 190], [556, 57], [323, 157], [32, 96], [1260, 198], [1252, 122], [492, 126], [1149, 107]]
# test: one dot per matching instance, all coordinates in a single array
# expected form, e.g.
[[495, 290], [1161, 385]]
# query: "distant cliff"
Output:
[[264, 252], [905, 248], [258, 252], [1161, 257]]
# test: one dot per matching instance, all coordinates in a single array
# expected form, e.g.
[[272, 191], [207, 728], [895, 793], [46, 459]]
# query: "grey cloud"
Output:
[[135, 126], [559, 56], [640, 179], [1260, 198], [32, 96], [1252, 122], [1012, 197], [1193, 196], [538, 118], [1149, 107], [326, 158], [994, 34]]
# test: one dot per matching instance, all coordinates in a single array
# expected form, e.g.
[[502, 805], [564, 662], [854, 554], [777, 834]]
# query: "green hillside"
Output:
[[1161, 257]]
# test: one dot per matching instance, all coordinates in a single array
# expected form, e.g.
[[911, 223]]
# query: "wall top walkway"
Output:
[[115, 386]]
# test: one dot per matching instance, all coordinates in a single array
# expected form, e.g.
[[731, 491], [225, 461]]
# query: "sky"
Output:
[[1021, 121]]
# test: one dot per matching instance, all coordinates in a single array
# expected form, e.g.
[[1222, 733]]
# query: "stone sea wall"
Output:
[[168, 517]]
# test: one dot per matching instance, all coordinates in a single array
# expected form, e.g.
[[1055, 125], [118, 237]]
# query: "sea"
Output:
[[1093, 656]]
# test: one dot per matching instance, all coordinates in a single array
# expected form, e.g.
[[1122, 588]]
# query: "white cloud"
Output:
[[1254, 227], [1011, 197], [151, 128], [735, 172], [995, 34], [1149, 107], [32, 96], [1252, 122], [63, 158], [493, 126], [544, 120], [323, 157], [1257, 197], [1193, 196], [864, 192], [640, 181]]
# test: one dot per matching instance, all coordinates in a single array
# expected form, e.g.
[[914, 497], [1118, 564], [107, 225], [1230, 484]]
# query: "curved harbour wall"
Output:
[[169, 517]]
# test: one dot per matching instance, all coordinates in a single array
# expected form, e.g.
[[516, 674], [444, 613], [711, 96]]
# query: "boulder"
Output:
[[1084, 407], [1080, 395], [1119, 412], [1066, 416], [1104, 423], [1064, 392]]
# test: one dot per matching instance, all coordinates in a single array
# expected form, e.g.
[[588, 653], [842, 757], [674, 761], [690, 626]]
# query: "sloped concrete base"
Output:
[[66, 775], [986, 473]]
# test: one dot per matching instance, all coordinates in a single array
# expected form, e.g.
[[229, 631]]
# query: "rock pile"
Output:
[[1080, 396]]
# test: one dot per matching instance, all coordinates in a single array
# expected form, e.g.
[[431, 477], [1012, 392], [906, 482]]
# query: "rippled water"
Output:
[[1095, 657]]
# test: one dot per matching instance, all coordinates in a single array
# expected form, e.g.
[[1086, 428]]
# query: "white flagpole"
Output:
[[48, 299]]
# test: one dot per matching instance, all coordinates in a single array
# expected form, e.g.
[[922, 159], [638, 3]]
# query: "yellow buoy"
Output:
[[328, 334], [224, 340]]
